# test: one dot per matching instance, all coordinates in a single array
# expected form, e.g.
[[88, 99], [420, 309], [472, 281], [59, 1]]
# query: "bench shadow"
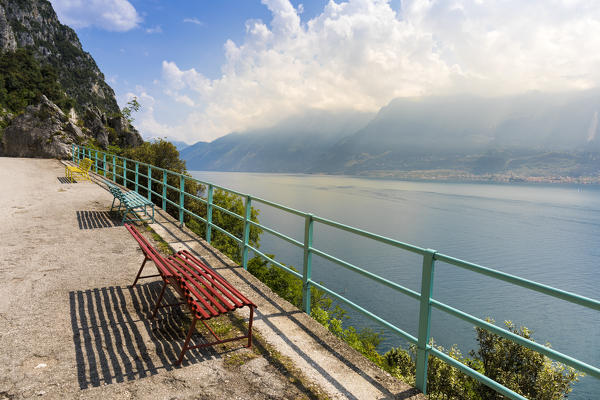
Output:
[[65, 180], [97, 219], [112, 333]]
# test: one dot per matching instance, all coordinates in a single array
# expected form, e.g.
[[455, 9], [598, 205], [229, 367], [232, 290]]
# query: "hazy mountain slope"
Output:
[[461, 131], [293, 145]]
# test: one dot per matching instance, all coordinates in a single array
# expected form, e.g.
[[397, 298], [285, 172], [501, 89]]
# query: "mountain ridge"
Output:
[[470, 135]]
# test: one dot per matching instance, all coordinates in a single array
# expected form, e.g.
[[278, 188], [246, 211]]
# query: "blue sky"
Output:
[[205, 68]]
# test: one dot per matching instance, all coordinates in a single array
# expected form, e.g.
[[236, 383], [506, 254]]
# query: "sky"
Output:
[[204, 68]]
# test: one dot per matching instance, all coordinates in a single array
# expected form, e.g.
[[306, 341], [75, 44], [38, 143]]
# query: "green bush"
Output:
[[520, 369]]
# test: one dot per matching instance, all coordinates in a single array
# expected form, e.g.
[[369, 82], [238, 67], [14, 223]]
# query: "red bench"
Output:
[[204, 291]]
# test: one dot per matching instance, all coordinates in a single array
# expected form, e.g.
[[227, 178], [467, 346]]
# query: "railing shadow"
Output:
[[293, 316], [65, 180], [97, 219], [111, 341]]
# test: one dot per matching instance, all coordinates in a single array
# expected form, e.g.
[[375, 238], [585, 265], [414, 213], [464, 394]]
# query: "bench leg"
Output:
[[187, 340], [162, 293], [124, 214], [250, 327], [140, 271]]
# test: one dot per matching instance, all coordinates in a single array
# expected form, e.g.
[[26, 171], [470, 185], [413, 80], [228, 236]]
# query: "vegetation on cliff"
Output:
[[23, 81]]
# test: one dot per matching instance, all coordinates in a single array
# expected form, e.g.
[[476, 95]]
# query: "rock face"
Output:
[[129, 136], [41, 131], [34, 24]]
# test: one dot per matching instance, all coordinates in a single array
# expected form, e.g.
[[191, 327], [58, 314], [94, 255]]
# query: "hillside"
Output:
[[292, 145], [43, 65]]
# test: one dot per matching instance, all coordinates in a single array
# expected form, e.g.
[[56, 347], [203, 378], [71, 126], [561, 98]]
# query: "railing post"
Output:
[[149, 182], [73, 153], [137, 173], [104, 164], [96, 161], [247, 218], [424, 320], [209, 200], [125, 172], [164, 191], [181, 198], [114, 175], [306, 270]]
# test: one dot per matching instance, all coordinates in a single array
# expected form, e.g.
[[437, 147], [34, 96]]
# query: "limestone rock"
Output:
[[95, 121], [43, 130], [34, 24], [7, 36], [128, 135]]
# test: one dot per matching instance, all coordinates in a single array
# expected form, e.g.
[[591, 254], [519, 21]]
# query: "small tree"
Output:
[[132, 106], [523, 370]]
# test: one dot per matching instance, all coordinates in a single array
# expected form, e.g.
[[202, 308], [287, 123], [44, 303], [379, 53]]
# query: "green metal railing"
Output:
[[116, 168]]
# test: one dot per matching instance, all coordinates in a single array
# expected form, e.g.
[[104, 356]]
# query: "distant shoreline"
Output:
[[461, 176], [444, 176]]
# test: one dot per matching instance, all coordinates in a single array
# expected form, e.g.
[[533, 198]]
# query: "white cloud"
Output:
[[111, 15], [193, 21], [156, 29], [361, 54]]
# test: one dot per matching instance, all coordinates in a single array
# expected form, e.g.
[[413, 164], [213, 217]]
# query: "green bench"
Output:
[[131, 202]]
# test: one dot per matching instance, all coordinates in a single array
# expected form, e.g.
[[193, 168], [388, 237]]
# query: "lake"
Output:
[[546, 233]]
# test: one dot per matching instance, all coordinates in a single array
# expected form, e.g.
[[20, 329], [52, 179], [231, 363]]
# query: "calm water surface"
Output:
[[547, 233]]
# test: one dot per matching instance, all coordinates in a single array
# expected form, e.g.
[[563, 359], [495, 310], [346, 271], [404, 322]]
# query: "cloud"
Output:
[[156, 29], [193, 21], [360, 54], [111, 15]]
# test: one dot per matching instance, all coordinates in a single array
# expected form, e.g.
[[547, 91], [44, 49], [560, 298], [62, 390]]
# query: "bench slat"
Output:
[[204, 287], [131, 200], [198, 272], [217, 277]]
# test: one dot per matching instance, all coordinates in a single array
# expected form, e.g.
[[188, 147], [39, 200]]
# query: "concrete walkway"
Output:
[[71, 328]]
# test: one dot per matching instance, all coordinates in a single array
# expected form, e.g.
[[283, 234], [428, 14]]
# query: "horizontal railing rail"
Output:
[[118, 168]]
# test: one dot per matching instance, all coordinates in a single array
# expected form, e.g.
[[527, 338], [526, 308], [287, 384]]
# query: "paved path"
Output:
[[71, 328]]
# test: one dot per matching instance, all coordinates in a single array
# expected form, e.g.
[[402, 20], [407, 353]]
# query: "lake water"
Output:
[[546, 233]]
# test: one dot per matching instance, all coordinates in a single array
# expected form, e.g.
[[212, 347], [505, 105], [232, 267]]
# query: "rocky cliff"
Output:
[[30, 28]]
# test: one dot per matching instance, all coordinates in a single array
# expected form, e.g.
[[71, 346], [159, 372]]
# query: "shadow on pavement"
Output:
[[111, 341], [97, 219], [65, 180]]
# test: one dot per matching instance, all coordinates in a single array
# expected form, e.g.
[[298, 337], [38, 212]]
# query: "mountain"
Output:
[[33, 24], [526, 134], [292, 145], [179, 144], [466, 132], [42, 65]]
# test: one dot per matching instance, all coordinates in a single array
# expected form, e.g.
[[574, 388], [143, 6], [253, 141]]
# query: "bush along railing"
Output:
[[172, 190]]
